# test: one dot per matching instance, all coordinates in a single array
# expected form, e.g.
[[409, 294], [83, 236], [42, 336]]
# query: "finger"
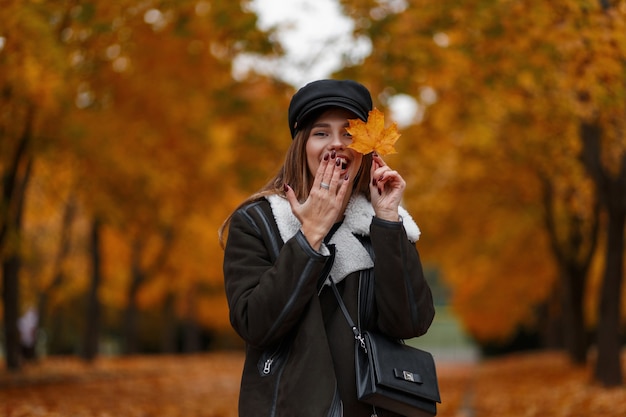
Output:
[[391, 180], [321, 171], [344, 186], [335, 178], [387, 177], [374, 186], [377, 176], [331, 169], [291, 197], [378, 167], [378, 160]]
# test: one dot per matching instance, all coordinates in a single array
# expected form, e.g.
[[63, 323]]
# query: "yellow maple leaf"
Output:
[[373, 136]]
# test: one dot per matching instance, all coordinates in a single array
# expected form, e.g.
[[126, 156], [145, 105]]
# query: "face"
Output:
[[329, 134]]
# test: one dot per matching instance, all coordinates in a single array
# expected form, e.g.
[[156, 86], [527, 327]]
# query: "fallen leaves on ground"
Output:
[[145, 386], [541, 385], [207, 385]]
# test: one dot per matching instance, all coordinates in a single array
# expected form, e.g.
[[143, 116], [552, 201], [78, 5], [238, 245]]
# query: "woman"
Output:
[[314, 222]]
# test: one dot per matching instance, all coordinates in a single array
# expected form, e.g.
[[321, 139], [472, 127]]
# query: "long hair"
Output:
[[295, 173]]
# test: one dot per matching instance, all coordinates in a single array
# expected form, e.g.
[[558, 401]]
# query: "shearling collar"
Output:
[[350, 255]]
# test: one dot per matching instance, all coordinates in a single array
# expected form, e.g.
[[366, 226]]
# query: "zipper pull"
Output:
[[267, 367]]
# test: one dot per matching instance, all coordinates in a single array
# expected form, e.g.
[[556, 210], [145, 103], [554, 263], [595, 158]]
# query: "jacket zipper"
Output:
[[275, 364], [267, 367], [274, 358], [275, 396]]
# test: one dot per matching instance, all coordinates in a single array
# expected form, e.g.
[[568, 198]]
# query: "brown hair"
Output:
[[295, 173]]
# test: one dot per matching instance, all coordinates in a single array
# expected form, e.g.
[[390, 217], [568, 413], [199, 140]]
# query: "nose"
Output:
[[337, 141]]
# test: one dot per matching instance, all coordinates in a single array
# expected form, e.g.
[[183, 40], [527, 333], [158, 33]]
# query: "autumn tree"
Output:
[[30, 83], [171, 96], [156, 127], [153, 126], [503, 88], [603, 134]]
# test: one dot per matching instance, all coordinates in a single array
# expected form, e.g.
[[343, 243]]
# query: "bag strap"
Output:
[[357, 333], [364, 275]]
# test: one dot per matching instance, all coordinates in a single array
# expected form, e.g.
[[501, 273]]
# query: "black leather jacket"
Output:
[[299, 348]]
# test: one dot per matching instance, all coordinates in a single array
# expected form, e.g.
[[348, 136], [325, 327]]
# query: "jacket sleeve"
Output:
[[403, 298], [266, 297]]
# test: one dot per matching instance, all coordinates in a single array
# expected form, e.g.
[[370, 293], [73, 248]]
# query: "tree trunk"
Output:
[[191, 329], [573, 254], [14, 183], [10, 298], [139, 275], [608, 369], [191, 336], [131, 314], [612, 194], [58, 273], [92, 315], [169, 333], [131, 318], [574, 319], [550, 320]]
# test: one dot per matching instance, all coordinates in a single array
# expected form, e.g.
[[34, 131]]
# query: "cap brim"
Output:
[[344, 104]]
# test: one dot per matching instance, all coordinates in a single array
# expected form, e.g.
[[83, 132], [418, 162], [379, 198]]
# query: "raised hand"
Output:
[[386, 189], [325, 202]]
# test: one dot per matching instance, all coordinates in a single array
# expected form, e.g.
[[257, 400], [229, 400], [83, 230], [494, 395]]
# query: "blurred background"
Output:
[[130, 130]]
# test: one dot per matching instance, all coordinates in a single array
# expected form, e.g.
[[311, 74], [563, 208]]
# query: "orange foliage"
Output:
[[508, 85], [156, 139], [139, 119]]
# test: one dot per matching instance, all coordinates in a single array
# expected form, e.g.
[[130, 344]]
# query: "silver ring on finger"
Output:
[[325, 186]]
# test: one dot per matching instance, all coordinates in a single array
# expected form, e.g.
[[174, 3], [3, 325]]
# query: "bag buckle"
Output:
[[408, 376]]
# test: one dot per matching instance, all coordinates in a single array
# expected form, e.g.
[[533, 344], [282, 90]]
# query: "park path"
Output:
[[530, 384], [204, 385]]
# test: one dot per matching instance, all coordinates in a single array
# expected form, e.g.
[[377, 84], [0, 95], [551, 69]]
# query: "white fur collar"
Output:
[[350, 255]]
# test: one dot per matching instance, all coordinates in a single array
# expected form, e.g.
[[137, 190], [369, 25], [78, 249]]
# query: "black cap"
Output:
[[346, 94]]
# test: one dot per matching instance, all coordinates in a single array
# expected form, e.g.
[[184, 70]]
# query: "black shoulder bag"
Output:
[[391, 374]]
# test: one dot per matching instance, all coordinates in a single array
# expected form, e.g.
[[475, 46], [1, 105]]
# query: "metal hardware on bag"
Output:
[[267, 367], [362, 342], [408, 376], [357, 336]]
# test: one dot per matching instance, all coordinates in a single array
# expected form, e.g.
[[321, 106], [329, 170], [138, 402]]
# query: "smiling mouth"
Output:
[[344, 164]]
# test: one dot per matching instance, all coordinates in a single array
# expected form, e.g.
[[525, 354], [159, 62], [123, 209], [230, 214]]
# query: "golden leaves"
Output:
[[372, 136], [176, 386], [159, 386]]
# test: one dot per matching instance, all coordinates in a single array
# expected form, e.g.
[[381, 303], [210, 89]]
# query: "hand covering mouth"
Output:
[[344, 164]]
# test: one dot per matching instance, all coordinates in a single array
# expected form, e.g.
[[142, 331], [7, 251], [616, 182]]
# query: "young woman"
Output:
[[329, 214]]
